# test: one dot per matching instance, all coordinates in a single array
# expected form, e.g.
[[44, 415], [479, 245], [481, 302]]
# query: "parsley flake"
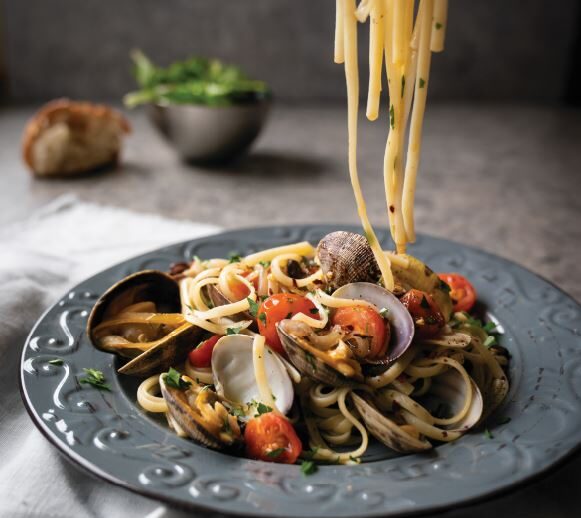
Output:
[[262, 317], [422, 82], [96, 378], [308, 467], [234, 257], [311, 360], [174, 379], [261, 408], [490, 341], [392, 117], [488, 434], [252, 306], [237, 411], [265, 264], [274, 454], [439, 25], [313, 311], [233, 331]]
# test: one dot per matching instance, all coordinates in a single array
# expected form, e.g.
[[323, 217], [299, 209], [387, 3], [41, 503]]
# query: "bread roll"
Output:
[[68, 137]]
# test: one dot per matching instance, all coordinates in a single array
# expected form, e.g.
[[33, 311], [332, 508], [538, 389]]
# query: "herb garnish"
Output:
[[490, 341], [174, 379], [391, 117], [233, 331], [310, 454], [237, 411], [234, 257], [308, 467], [488, 434], [95, 378], [311, 360], [261, 408], [274, 454], [56, 361], [252, 306], [422, 83], [265, 264], [313, 311], [439, 25], [383, 312], [226, 425], [262, 317]]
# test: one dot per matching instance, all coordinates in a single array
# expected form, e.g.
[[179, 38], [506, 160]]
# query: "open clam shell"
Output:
[[219, 299], [159, 354], [449, 388], [346, 257], [309, 361], [233, 371], [181, 405], [400, 320], [384, 429]]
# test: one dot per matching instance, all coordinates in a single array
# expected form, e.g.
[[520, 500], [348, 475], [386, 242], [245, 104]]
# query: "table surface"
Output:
[[504, 178]]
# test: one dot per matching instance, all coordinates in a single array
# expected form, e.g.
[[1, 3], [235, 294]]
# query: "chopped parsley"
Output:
[[391, 118], [252, 306], [439, 25], [226, 425], [274, 454], [308, 467], [233, 331], [262, 317], [266, 264], [95, 378], [383, 312], [489, 327], [174, 379], [237, 411], [56, 361], [488, 434], [234, 257], [313, 311], [261, 408], [310, 454], [422, 84], [424, 302]]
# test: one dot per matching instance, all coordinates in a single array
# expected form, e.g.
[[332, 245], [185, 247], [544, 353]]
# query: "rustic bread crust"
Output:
[[76, 114]]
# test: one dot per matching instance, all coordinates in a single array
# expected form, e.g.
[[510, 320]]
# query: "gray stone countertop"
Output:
[[501, 177]]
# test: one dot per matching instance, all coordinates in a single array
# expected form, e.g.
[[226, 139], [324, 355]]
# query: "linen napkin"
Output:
[[41, 258]]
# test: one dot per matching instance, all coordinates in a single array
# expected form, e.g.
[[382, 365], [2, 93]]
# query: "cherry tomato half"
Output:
[[201, 355], [278, 307], [428, 319], [462, 292], [271, 438], [365, 321]]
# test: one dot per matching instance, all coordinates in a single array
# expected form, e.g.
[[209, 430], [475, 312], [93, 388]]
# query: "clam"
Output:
[[450, 389], [219, 299], [346, 257], [385, 429], [233, 371], [140, 318], [341, 368], [201, 414]]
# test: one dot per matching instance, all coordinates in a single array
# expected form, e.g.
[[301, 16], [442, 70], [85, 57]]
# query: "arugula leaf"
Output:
[[96, 378], [274, 454], [174, 379], [233, 331], [308, 467], [253, 306], [56, 361]]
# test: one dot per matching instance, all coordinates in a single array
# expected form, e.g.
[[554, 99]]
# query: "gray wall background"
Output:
[[496, 49]]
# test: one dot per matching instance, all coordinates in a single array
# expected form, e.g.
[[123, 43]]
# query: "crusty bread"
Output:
[[68, 137]]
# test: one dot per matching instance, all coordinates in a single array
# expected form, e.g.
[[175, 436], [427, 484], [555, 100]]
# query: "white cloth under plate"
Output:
[[40, 258]]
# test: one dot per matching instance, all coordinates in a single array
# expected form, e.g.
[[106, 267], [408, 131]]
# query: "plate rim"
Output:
[[93, 470]]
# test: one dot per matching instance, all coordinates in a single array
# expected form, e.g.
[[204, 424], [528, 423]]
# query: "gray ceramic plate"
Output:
[[106, 433]]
